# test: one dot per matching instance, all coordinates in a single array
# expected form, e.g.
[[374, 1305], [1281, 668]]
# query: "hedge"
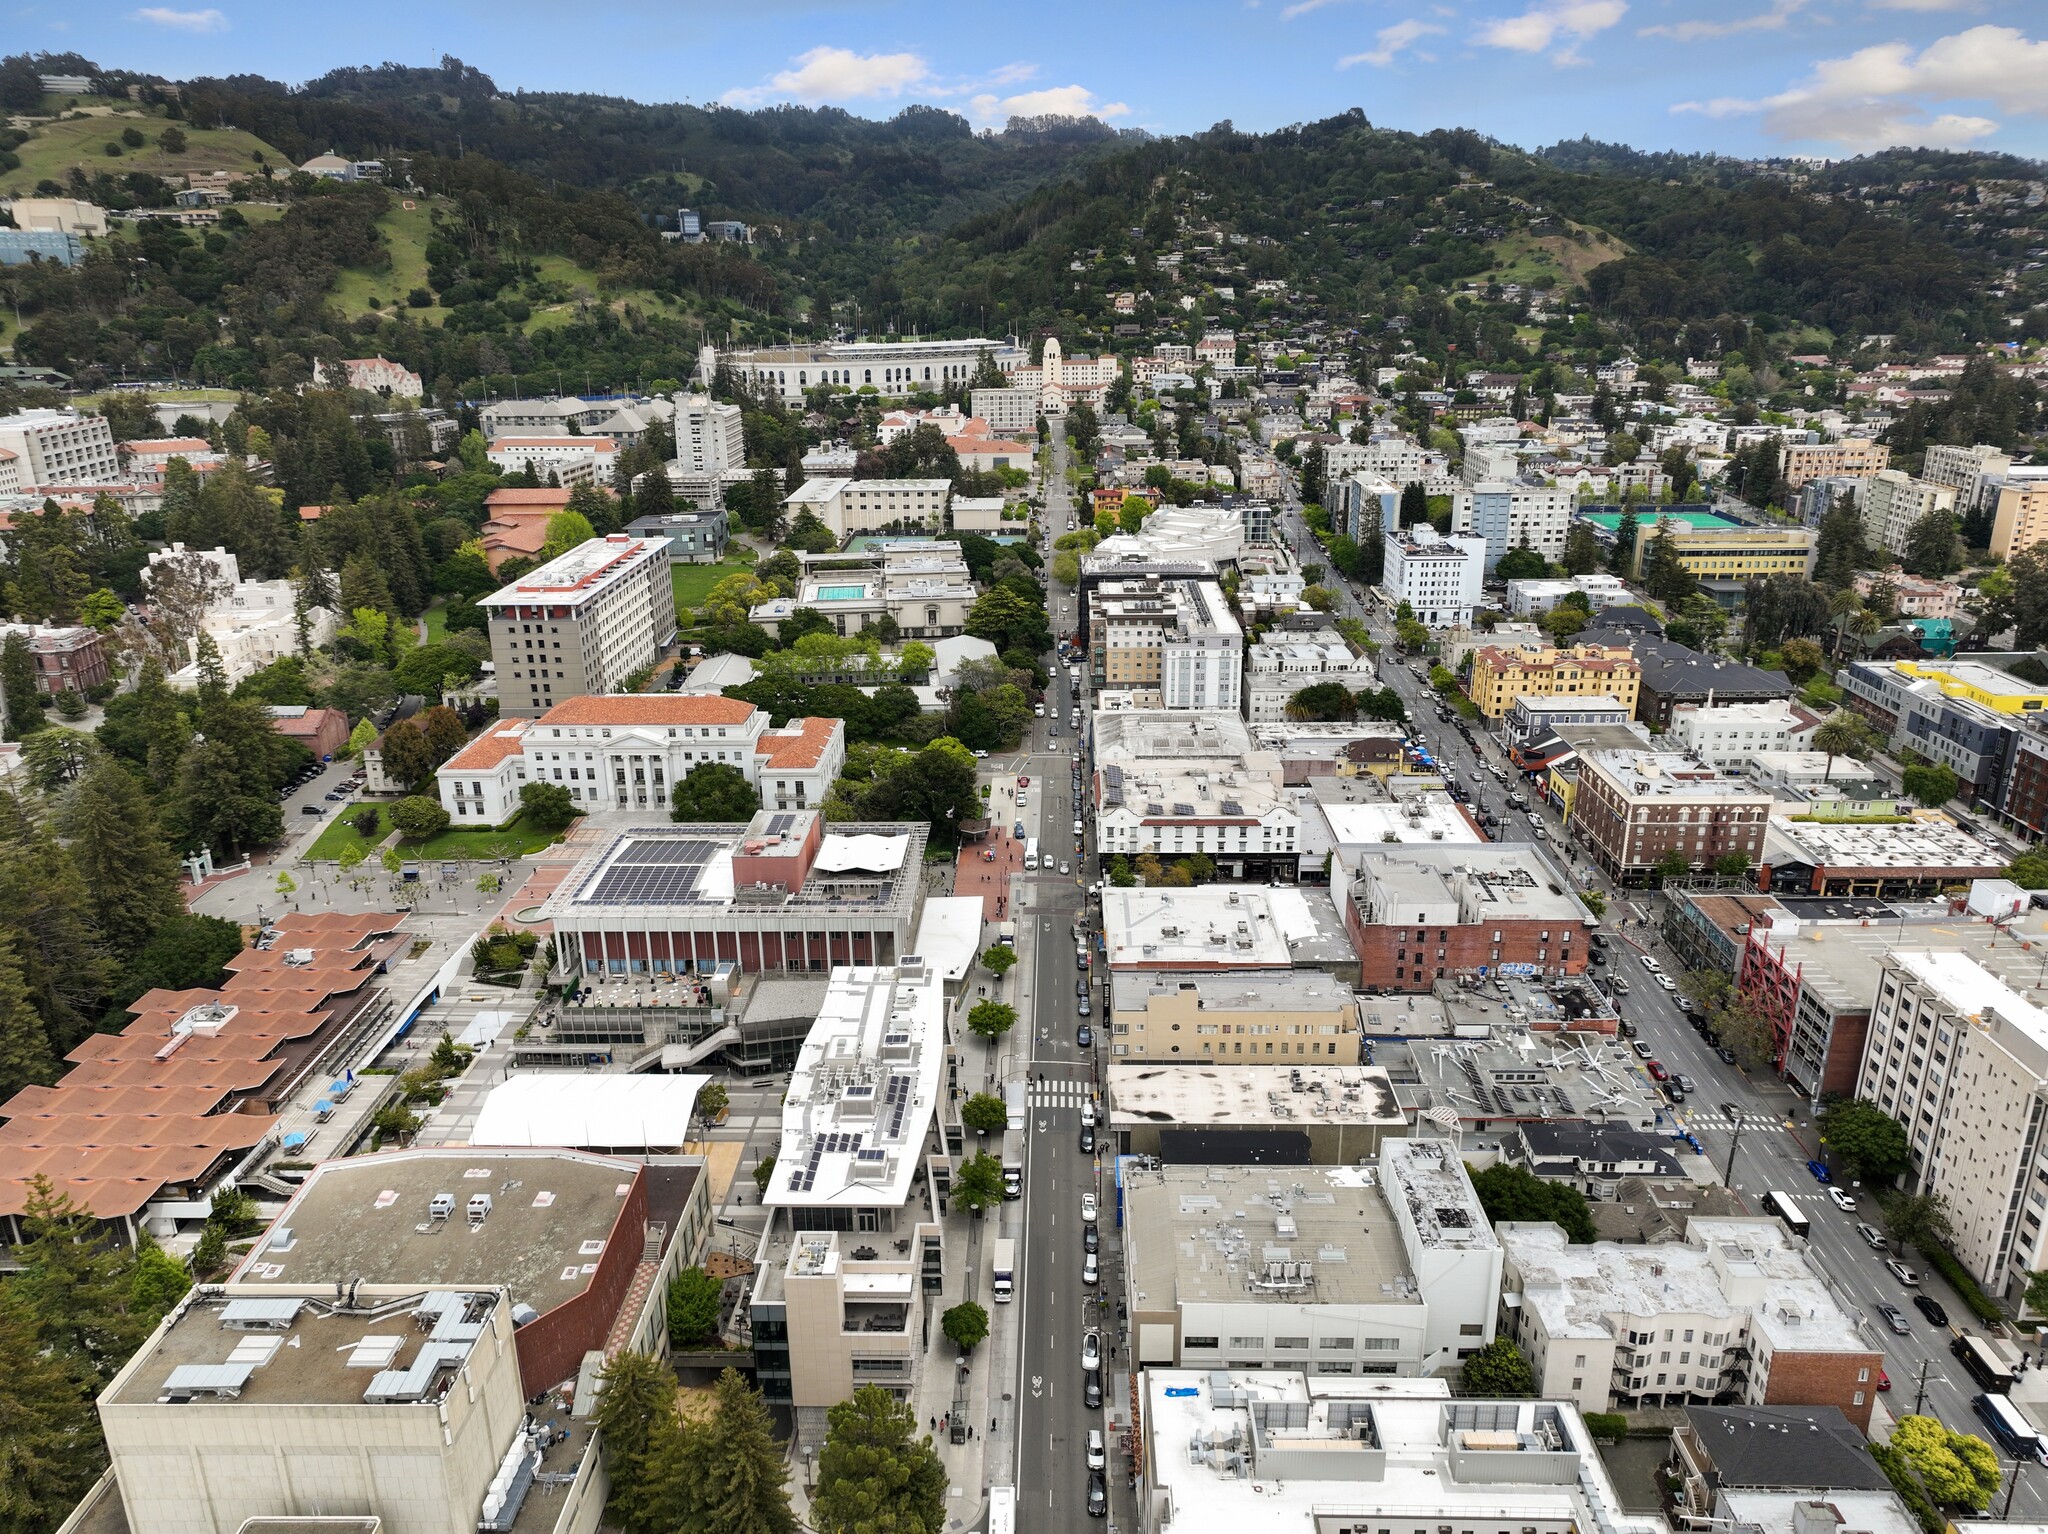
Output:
[[1605, 1424], [1943, 1262]]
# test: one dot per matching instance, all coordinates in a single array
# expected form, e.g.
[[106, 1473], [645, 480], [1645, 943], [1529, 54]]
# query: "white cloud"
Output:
[[1390, 42], [208, 20], [1053, 101], [836, 74], [1925, 5], [1303, 7], [1772, 20], [1886, 94], [1569, 22]]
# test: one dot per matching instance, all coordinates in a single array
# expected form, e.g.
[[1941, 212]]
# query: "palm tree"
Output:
[[1838, 735], [1865, 622], [1841, 606]]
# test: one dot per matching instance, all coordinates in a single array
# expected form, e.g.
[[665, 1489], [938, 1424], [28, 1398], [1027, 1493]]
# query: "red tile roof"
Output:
[[645, 708], [797, 745], [490, 748], [173, 445], [497, 500]]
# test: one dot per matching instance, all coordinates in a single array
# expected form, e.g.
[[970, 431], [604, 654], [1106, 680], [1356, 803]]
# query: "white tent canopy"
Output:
[[589, 1112]]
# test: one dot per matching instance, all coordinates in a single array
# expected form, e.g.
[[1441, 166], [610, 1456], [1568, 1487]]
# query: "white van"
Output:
[[1096, 1449]]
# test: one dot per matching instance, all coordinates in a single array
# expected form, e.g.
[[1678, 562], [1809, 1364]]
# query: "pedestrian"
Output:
[[991, 1424]]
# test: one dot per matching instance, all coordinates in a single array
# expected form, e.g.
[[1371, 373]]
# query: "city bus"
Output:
[[1031, 855], [1781, 1205], [1002, 1510], [1984, 1364], [2012, 1432]]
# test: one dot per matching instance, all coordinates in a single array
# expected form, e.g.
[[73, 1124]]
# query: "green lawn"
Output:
[[340, 835], [459, 844], [56, 147], [406, 230], [693, 583], [436, 620]]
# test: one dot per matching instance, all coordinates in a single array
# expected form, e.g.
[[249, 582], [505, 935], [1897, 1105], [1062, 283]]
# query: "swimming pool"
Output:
[[841, 593]]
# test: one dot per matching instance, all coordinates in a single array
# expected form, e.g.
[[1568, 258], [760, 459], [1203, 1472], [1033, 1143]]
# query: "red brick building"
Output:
[[67, 659], [1419, 914], [322, 731], [1636, 807]]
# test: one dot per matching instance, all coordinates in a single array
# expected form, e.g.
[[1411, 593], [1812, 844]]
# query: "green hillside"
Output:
[[54, 148]]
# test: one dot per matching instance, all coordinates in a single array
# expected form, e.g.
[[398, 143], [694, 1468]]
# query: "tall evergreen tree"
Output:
[[18, 686], [740, 1483], [129, 871], [26, 1059], [1622, 560], [1414, 504], [45, 908], [644, 1445], [50, 1446], [877, 1470], [1838, 550]]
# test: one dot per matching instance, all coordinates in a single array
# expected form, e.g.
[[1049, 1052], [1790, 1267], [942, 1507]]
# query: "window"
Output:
[[1198, 1342], [1471, 1329], [1341, 1344], [1290, 1343], [1248, 1342]]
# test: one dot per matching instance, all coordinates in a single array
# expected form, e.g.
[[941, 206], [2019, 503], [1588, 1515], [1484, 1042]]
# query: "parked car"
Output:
[[1081, 1006], [1727, 1055], [1657, 1071], [1872, 1236], [1088, 1145], [1098, 1495], [1091, 1238], [311, 809], [1667, 982], [1894, 1318], [1643, 1051], [1091, 1390], [1091, 1270], [1901, 1272], [1091, 1349], [1843, 1200], [1650, 963], [1884, 1380], [1089, 1208], [1931, 1308], [1820, 1171]]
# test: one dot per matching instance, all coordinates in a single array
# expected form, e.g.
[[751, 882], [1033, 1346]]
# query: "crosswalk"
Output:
[[1060, 1094], [1750, 1122]]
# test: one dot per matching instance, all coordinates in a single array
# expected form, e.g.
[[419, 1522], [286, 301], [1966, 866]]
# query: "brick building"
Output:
[[1636, 806], [67, 659], [1419, 914]]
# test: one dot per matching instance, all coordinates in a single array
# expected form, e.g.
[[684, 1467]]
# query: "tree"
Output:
[[990, 1020], [18, 685], [1865, 1141], [26, 1059], [2036, 1296], [1498, 1369], [1673, 865], [1732, 865], [1664, 574], [1802, 660], [1410, 635], [186, 953], [1749, 1032], [2029, 870], [1521, 564], [1838, 735], [713, 791], [999, 960], [712, 1102], [966, 1325], [1932, 784], [1914, 1219], [1514, 1193], [50, 1446], [55, 756], [740, 1484], [129, 872], [547, 806], [985, 1114], [408, 757], [979, 1184], [1323, 701], [693, 1308], [1957, 1469], [419, 817], [1621, 560], [1562, 622], [566, 530], [878, 1474], [1932, 548], [644, 1449]]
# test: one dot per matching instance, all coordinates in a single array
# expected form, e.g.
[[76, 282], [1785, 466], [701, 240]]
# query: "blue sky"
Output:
[[1740, 76]]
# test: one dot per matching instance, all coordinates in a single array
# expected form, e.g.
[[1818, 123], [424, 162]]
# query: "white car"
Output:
[[1667, 982], [1651, 964], [1088, 1207], [1064, 869], [1843, 1200], [1091, 1352], [1901, 1272]]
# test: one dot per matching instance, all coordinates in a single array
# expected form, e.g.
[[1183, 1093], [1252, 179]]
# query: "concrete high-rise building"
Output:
[[1802, 461], [1440, 578], [1896, 502], [1512, 516], [60, 447], [1176, 636], [709, 439], [1960, 1058], [2021, 518], [581, 623]]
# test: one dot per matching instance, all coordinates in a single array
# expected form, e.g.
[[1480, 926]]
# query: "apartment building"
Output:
[[1635, 807], [1963, 469], [1802, 461], [1011, 409], [1914, 596], [1420, 914], [1178, 637], [628, 753], [709, 436], [1728, 737], [2021, 520], [1248, 1017], [571, 460], [1895, 503], [1967, 715], [581, 623], [1354, 1274], [854, 1251], [1960, 1058], [1674, 675], [1528, 598], [892, 368], [1739, 1308], [1441, 578], [1510, 515], [1500, 675], [60, 447], [1285, 662], [851, 506], [1362, 505], [1172, 783]]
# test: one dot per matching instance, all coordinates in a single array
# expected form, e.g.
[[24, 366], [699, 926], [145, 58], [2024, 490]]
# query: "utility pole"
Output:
[[2012, 1486], [1920, 1392], [1734, 1113]]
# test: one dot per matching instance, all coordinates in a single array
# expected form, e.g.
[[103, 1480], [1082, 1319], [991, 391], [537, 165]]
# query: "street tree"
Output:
[[985, 1114], [999, 960], [1498, 1369], [979, 1183], [1914, 1219], [990, 1020], [1865, 1141], [966, 1325]]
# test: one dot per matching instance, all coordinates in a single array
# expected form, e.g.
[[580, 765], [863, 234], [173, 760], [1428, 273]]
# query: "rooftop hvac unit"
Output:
[[479, 1209]]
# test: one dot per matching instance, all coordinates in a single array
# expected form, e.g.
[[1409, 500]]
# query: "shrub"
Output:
[[1943, 1262], [1605, 1424]]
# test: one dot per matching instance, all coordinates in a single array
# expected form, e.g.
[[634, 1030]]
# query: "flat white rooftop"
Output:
[[862, 1096], [1285, 1454], [1216, 926], [1973, 990], [582, 573], [1906, 844], [1418, 818], [1229, 1096]]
